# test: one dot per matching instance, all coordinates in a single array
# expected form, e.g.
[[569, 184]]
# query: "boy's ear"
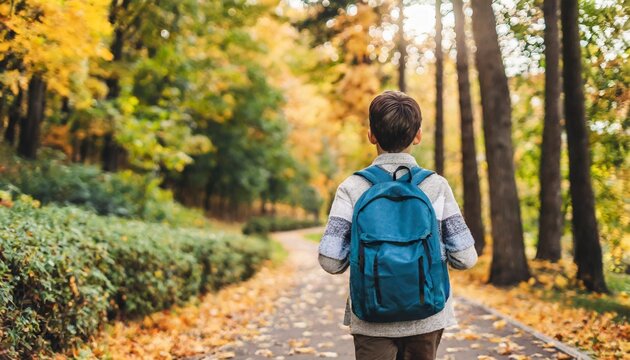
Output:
[[418, 137], [371, 137]]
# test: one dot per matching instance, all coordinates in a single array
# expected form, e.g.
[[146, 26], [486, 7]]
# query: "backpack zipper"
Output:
[[422, 278], [362, 257], [377, 286]]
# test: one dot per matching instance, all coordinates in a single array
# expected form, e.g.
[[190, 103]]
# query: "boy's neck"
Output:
[[380, 151]]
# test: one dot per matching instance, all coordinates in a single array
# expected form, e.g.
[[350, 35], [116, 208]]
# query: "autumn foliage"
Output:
[[553, 303], [133, 112]]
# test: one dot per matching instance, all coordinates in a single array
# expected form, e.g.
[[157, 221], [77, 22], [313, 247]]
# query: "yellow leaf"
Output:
[[264, 353], [499, 324], [561, 281], [304, 350], [225, 355]]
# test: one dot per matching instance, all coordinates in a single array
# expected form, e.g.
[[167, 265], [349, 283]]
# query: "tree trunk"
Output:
[[117, 46], [588, 252], [439, 89], [470, 174], [30, 125], [76, 146], [15, 114], [112, 82], [111, 150], [3, 109], [509, 265], [109, 153], [207, 205], [550, 221], [402, 47], [85, 148]]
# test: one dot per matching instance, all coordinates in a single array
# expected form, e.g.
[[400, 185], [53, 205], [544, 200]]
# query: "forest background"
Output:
[[246, 108]]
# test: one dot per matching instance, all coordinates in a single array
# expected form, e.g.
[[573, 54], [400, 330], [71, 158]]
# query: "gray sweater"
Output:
[[457, 244]]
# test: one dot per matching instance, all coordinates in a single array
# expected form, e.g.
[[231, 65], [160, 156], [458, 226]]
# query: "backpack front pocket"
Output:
[[395, 281]]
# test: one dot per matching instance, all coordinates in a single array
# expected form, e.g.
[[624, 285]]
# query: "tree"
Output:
[[470, 174], [509, 265], [47, 56], [15, 113], [439, 90], [30, 125], [111, 150], [550, 220], [587, 250], [401, 44]]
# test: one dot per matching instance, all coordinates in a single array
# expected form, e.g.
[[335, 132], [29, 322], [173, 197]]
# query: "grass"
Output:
[[315, 237], [617, 301], [278, 253], [619, 285]]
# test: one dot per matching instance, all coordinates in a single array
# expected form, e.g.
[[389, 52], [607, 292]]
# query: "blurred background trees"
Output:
[[259, 107]]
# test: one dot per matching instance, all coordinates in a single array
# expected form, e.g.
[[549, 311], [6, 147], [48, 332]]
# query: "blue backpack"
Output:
[[396, 268]]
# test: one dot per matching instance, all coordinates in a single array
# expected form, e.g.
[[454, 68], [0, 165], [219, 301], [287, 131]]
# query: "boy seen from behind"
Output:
[[396, 226]]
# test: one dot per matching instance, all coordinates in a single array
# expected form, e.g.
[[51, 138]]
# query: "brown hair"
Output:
[[395, 119]]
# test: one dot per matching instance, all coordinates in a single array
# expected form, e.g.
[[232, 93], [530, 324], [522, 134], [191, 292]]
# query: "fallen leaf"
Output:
[[304, 350], [328, 354], [225, 355], [296, 343], [499, 324], [264, 352], [563, 356], [504, 349], [326, 345]]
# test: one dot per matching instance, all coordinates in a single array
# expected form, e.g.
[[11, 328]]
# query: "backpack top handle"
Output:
[[402, 167]]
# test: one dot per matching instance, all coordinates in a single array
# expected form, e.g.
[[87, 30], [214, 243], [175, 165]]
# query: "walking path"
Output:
[[307, 323]]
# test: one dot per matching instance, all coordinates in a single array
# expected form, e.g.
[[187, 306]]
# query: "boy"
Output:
[[395, 126]]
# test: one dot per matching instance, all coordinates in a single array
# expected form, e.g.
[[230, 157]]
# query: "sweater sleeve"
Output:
[[334, 246], [458, 240]]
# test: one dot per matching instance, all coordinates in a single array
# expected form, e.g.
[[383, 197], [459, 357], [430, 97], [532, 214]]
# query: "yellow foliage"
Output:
[[45, 44], [58, 137], [353, 35]]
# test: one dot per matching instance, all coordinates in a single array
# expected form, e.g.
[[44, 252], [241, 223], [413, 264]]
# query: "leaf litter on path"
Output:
[[235, 312]]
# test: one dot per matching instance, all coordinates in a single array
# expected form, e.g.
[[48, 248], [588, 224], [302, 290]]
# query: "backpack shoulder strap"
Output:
[[374, 174], [420, 174]]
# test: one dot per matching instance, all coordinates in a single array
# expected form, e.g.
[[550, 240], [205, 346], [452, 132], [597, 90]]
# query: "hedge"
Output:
[[126, 194], [64, 272], [264, 224]]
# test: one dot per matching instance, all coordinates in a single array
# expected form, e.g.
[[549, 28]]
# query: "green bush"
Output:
[[65, 271], [264, 224], [125, 194]]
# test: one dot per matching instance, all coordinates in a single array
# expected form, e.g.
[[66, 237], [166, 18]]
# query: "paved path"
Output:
[[307, 324]]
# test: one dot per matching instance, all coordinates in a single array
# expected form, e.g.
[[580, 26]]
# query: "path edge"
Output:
[[569, 350]]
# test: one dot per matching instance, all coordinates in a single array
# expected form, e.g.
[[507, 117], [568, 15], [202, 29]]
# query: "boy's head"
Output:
[[395, 121]]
